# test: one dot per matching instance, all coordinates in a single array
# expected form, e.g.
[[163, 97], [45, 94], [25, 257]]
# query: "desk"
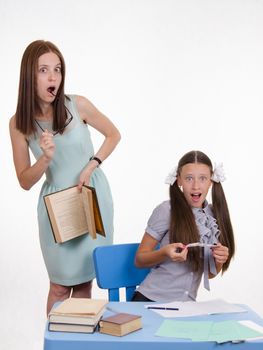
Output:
[[144, 338]]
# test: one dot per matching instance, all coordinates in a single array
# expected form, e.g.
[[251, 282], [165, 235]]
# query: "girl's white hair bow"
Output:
[[171, 177], [218, 173]]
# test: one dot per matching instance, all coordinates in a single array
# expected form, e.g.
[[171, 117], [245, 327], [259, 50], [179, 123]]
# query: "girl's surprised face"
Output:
[[195, 181], [48, 76]]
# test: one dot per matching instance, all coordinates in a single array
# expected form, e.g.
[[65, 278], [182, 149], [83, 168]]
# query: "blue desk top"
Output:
[[144, 338]]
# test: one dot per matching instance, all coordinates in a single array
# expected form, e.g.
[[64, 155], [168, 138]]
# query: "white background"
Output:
[[173, 76]]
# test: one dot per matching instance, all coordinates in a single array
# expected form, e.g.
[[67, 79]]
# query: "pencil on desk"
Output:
[[162, 308]]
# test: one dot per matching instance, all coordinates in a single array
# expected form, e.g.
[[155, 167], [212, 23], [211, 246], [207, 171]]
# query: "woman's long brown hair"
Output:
[[27, 103], [183, 227]]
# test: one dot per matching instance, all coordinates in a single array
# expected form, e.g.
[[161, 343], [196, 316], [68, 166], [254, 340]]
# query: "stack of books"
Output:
[[76, 315]]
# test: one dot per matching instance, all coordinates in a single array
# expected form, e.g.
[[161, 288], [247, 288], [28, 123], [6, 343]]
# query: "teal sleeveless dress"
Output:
[[70, 263]]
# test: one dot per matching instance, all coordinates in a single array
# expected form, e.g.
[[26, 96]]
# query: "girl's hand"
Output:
[[220, 253], [176, 251], [47, 144]]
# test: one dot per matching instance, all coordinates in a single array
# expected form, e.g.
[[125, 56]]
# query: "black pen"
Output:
[[162, 308]]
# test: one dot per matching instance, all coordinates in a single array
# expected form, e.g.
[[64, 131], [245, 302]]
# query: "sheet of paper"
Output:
[[185, 329], [252, 325], [219, 332], [195, 308], [226, 331]]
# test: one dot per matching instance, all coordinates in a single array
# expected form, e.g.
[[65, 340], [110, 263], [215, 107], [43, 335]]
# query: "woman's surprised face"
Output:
[[195, 181], [48, 76]]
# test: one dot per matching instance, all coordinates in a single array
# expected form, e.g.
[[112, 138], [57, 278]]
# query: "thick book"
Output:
[[74, 328], [73, 213], [120, 324]]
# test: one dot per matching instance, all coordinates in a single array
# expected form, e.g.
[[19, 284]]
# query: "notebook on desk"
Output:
[[194, 308]]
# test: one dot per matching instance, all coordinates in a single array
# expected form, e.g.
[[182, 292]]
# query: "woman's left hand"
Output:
[[84, 178], [220, 253]]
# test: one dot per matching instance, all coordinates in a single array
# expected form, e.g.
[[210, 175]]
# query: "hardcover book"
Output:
[[73, 328], [79, 307], [73, 213], [84, 319], [120, 324]]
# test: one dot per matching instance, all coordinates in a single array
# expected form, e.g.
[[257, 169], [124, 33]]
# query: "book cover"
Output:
[[120, 324], [80, 306], [73, 213]]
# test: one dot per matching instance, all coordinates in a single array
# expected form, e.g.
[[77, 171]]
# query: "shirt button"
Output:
[[186, 292], [191, 273]]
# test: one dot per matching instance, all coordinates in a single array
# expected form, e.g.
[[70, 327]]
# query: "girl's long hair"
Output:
[[183, 227], [27, 103]]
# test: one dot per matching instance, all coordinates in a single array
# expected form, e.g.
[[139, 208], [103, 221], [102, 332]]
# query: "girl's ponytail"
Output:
[[220, 209]]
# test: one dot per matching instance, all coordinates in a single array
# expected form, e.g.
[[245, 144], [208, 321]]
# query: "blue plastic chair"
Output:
[[115, 269]]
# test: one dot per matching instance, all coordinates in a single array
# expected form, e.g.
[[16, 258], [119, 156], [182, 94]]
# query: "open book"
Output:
[[73, 213]]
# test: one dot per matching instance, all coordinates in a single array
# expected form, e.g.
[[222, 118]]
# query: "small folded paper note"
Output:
[[199, 244]]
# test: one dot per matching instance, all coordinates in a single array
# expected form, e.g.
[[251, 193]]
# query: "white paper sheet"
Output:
[[195, 308]]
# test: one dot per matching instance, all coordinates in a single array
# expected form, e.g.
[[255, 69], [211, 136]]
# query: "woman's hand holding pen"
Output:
[[176, 251], [47, 144]]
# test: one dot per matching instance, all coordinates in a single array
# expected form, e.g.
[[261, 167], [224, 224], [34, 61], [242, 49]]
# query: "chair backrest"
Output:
[[115, 268]]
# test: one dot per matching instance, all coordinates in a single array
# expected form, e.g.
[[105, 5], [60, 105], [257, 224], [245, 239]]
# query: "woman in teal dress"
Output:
[[55, 128]]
